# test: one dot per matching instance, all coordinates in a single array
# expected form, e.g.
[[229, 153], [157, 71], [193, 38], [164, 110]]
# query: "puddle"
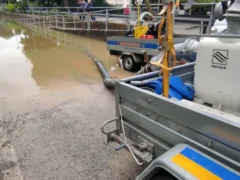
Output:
[[37, 59]]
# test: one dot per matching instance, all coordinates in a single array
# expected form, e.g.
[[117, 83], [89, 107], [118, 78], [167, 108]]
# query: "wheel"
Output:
[[129, 64]]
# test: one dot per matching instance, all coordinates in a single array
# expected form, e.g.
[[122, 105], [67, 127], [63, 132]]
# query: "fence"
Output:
[[104, 22], [61, 39], [108, 18]]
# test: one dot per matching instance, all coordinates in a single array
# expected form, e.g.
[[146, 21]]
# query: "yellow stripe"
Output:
[[193, 168]]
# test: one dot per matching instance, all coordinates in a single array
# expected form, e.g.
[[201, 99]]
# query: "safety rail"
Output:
[[61, 39], [105, 18], [73, 22]]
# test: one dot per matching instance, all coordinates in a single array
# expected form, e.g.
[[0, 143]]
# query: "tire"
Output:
[[129, 64]]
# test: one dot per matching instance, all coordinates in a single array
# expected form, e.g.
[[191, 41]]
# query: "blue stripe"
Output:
[[112, 43], [210, 165], [142, 45], [149, 46]]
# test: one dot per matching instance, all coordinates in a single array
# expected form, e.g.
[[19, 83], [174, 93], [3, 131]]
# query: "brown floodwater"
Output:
[[35, 59]]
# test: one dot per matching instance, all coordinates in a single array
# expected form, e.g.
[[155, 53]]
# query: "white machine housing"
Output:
[[217, 73]]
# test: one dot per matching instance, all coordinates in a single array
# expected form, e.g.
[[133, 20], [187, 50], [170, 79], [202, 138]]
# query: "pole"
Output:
[[138, 14], [74, 22], [63, 22], [106, 20], [88, 22]]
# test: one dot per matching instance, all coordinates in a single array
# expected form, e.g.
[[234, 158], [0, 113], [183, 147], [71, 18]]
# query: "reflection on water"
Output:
[[36, 59], [15, 68]]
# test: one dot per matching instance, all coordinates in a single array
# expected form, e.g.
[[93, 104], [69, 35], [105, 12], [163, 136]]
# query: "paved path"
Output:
[[56, 135]]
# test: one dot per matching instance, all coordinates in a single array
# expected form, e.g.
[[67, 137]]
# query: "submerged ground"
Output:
[[52, 104]]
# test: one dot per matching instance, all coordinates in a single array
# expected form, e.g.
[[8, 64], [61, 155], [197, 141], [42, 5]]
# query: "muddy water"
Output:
[[37, 59]]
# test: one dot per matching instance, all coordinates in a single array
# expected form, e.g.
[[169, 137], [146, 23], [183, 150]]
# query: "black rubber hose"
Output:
[[108, 81]]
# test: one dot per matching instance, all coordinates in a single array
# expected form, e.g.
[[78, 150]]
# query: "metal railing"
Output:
[[61, 39], [73, 22], [68, 18]]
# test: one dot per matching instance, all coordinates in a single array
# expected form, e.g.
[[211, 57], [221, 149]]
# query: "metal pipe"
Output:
[[185, 51], [106, 20], [143, 82], [149, 8], [155, 73], [209, 35], [135, 151], [232, 17], [148, 14]]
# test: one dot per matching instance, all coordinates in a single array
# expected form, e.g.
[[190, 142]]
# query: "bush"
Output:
[[11, 7], [202, 9], [21, 6]]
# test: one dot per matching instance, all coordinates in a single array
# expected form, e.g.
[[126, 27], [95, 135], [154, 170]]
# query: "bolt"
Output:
[[149, 100], [148, 114], [179, 129], [136, 108], [211, 144]]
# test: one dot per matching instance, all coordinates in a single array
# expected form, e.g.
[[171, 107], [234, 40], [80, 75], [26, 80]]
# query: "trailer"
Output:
[[131, 50], [185, 125], [177, 137], [166, 133]]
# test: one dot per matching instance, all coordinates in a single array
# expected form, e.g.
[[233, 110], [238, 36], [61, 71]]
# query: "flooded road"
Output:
[[37, 59], [52, 105]]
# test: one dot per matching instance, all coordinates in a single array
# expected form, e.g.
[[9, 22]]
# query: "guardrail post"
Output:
[[44, 23], [201, 28], [211, 19], [63, 22], [88, 22], [129, 20], [56, 19], [74, 22], [69, 12], [106, 20]]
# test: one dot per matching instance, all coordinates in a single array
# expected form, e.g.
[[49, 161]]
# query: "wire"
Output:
[[125, 140]]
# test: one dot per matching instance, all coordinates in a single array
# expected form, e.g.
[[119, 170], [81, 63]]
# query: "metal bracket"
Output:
[[211, 144], [109, 133], [144, 145]]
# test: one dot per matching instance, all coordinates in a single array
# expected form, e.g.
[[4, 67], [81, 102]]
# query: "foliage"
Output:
[[101, 3], [202, 9], [50, 3], [11, 7], [21, 5]]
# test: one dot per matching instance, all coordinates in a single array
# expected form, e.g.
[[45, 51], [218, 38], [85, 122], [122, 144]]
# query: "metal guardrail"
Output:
[[70, 10], [72, 22], [68, 19], [61, 39]]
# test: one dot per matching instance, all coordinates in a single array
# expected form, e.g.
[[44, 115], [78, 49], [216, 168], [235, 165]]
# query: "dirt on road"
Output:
[[56, 135]]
